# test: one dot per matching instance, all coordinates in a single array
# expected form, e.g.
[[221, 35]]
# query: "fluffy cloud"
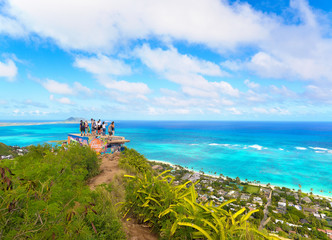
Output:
[[56, 87], [62, 100], [79, 88], [8, 69], [102, 24], [234, 111], [250, 84], [172, 101], [11, 27], [301, 49], [171, 61], [283, 91], [186, 71], [132, 88], [105, 69], [107, 34], [63, 88], [318, 94], [297, 51], [103, 65]]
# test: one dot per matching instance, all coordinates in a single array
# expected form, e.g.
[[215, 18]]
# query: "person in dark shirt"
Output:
[[82, 128]]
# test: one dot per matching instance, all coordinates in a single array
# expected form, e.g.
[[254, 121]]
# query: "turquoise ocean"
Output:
[[280, 153]]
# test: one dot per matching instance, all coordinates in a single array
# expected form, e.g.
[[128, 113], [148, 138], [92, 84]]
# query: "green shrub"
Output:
[[5, 150], [133, 162], [174, 211], [43, 195]]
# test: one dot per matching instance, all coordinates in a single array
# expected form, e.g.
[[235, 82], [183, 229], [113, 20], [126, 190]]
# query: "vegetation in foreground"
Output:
[[43, 195], [174, 211]]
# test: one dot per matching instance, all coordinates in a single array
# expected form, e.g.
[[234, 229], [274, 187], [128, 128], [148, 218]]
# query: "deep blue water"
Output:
[[280, 153]]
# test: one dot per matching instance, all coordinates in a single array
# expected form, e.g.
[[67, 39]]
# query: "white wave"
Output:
[[301, 148], [220, 144], [320, 152], [281, 149], [214, 144], [257, 147], [329, 151], [225, 145], [319, 148], [194, 144]]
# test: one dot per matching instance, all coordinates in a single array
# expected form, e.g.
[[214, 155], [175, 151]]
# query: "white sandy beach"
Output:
[[224, 177]]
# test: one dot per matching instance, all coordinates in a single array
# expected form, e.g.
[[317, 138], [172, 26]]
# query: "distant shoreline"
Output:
[[225, 177], [9, 124]]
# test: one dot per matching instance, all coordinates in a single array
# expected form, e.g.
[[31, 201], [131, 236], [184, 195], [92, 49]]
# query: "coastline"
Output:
[[254, 184], [9, 124], [305, 189]]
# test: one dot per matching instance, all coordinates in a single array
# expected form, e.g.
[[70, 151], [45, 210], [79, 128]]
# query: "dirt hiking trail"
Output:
[[109, 168]]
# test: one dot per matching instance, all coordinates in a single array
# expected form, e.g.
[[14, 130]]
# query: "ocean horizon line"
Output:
[[164, 120]]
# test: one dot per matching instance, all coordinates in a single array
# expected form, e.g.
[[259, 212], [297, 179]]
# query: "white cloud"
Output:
[[318, 94], [172, 101], [283, 92], [285, 50], [234, 111], [56, 87], [79, 88], [135, 88], [253, 96], [295, 51], [62, 100], [214, 110], [170, 61], [102, 65], [17, 112], [11, 27], [186, 71], [250, 84], [63, 88], [267, 66], [102, 24], [8, 69], [105, 69]]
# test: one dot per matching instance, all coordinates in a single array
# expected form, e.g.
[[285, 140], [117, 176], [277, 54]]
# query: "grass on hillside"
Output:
[[44, 195], [173, 210], [5, 150]]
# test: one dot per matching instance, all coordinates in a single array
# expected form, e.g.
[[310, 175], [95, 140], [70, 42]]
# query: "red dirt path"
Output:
[[109, 168]]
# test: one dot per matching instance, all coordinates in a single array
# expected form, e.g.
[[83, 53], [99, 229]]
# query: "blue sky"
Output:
[[166, 59]]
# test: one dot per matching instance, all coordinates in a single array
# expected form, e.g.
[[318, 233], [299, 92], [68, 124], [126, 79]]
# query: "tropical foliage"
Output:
[[43, 195], [175, 212], [133, 162], [5, 150]]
